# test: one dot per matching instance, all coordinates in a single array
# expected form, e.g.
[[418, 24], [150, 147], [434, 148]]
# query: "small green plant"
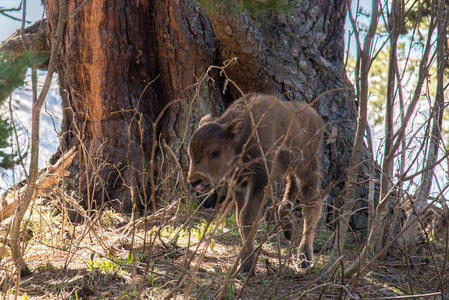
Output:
[[396, 290], [198, 292], [167, 231], [125, 295], [230, 220], [104, 265], [199, 230], [231, 289], [322, 237], [76, 297], [152, 278], [204, 228], [319, 265], [193, 204], [48, 267], [409, 291], [217, 270], [131, 260]]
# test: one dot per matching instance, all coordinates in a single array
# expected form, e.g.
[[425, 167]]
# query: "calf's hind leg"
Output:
[[311, 212], [285, 210]]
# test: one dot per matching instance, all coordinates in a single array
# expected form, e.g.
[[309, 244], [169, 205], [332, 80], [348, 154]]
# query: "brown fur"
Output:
[[292, 155]]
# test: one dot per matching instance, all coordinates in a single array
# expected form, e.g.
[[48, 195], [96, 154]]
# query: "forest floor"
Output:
[[178, 254]]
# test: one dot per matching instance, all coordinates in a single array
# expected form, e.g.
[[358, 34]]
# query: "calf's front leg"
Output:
[[248, 213]]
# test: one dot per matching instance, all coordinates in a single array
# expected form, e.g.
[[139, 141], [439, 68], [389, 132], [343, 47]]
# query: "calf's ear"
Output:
[[236, 127], [206, 119]]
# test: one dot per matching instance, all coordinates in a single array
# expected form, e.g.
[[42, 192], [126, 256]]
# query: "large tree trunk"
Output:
[[114, 49], [111, 53]]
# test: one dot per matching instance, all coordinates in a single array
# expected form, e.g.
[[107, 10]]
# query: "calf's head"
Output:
[[211, 152]]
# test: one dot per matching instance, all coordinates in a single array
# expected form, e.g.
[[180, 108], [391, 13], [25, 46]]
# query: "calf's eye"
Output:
[[215, 154]]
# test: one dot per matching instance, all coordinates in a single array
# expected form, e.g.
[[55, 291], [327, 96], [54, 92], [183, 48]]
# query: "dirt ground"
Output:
[[177, 253]]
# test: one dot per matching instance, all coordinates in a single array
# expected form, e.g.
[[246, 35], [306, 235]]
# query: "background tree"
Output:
[[401, 165], [122, 62]]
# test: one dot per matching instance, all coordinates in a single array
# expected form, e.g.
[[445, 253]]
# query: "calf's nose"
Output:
[[194, 181]]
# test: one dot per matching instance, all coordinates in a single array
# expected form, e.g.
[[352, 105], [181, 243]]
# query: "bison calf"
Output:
[[261, 139]]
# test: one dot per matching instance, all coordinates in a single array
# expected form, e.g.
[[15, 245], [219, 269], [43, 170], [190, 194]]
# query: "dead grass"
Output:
[[110, 256]]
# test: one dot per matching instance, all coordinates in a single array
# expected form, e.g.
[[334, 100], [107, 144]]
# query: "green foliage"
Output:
[[231, 285], [378, 81], [261, 6], [418, 13], [322, 237], [104, 264], [230, 220], [257, 7], [200, 229], [7, 160], [76, 297], [48, 266], [12, 75]]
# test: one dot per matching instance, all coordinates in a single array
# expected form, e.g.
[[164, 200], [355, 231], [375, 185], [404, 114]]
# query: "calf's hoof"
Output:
[[286, 217], [303, 261], [247, 271]]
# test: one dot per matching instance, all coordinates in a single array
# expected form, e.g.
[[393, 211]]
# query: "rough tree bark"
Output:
[[111, 53], [113, 50]]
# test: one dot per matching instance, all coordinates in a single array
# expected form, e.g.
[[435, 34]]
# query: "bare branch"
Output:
[[4, 11]]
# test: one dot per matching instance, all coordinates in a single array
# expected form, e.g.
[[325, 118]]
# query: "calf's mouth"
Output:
[[199, 187]]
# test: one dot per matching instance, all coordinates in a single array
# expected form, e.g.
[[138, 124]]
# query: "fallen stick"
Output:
[[50, 177]]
